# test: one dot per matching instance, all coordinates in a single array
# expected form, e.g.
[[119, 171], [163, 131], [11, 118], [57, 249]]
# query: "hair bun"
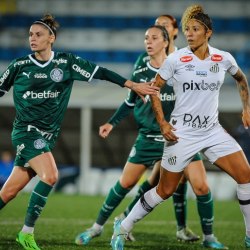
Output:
[[189, 13]]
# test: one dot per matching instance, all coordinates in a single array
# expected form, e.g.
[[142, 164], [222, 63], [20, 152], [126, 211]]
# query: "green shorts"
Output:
[[148, 151], [29, 145]]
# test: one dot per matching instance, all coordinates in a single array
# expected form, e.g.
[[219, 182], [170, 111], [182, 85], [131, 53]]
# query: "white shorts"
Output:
[[218, 143]]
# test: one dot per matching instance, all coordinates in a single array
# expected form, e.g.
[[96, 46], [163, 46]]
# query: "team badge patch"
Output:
[[39, 143], [172, 160], [56, 75], [215, 68]]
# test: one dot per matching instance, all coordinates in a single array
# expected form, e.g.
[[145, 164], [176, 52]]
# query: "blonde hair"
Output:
[[196, 12]]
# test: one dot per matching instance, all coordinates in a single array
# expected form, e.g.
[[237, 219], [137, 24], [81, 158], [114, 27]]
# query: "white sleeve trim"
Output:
[[91, 77]]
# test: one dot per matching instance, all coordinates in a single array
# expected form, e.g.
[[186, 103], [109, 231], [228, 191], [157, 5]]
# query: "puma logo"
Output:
[[27, 74]]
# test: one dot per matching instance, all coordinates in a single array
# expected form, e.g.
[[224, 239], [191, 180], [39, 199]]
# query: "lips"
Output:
[[149, 48]]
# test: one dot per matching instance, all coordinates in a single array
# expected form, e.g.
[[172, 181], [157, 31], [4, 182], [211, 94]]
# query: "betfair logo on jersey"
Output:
[[41, 95], [163, 97], [166, 97], [81, 71], [200, 86]]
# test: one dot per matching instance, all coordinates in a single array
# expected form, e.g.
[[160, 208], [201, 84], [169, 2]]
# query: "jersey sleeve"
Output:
[[166, 71], [81, 69], [111, 76], [231, 64], [122, 112], [7, 78]]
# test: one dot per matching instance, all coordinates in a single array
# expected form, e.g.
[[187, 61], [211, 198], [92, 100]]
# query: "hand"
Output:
[[143, 89], [105, 129], [246, 118], [167, 131]]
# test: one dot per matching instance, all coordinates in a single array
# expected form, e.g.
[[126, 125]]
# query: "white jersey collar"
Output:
[[211, 50], [39, 64], [151, 67]]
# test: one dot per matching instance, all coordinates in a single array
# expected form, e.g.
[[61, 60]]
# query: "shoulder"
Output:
[[140, 70], [24, 60], [220, 55], [143, 57], [178, 54], [141, 61], [64, 55]]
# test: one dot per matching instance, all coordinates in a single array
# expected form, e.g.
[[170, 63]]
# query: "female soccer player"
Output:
[[196, 73], [148, 149], [195, 171], [42, 83]]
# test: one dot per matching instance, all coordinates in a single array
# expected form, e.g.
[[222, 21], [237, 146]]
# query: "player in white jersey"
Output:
[[197, 73]]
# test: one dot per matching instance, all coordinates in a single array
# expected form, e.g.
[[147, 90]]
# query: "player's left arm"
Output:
[[243, 87]]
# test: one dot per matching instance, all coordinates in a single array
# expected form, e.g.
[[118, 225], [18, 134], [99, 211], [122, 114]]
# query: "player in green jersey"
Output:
[[171, 25], [42, 83], [149, 145]]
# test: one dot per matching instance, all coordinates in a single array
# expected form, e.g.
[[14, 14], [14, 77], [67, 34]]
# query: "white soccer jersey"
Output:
[[196, 84]]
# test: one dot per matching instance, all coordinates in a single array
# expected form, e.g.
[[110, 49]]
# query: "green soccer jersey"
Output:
[[141, 60], [143, 112], [41, 91]]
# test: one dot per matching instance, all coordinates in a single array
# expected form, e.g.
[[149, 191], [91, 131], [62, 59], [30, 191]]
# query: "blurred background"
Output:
[[111, 34]]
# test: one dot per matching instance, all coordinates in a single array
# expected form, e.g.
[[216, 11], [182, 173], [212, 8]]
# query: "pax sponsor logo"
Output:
[[195, 121], [186, 59], [5, 75], [200, 86], [216, 58], [41, 95], [81, 71]]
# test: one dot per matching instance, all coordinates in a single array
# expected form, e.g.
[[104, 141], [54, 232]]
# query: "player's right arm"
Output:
[[7, 79], [121, 113], [166, 128]]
